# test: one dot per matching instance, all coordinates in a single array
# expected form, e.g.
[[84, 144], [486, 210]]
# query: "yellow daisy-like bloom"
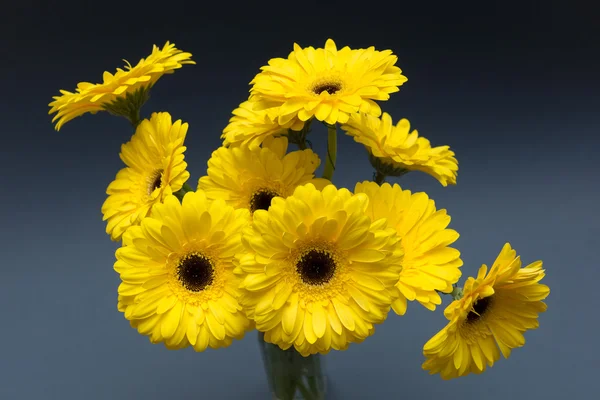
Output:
[[317, 272], [493, 313], [250, 177], [176, 268], [429, 264], [155, 169], [328, 84], [92, 98], [250, 126], [394, 149]]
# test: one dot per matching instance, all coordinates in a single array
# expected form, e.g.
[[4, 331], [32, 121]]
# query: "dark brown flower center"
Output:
[[316, 267], [329, 87], [155, 180], [261, 199], [479, 309], [195, 272]]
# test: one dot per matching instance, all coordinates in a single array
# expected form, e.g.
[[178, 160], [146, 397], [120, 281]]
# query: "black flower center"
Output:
[[155, 180], [329, 87], [195, 272], [261, 199], [316, 267], [479, 309]]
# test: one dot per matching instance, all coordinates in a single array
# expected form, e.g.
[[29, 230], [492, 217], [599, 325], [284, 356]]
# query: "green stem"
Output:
[[331, 152], [312, 384], [289, 373], [181, 192], [457, 293], [299, 137], [304, 390], [379, 178], [134, 118]]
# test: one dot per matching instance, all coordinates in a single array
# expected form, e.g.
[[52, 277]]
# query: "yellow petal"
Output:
[[366, 255], [217, 311], [476, 355], [345, 314], [282, 296], [217, 330], [289, 315], [192, 331], [319, 320], [359, 297], [256, 282], [203, 338], [399, 305], [166, 304], [170, 320], [308, 328]]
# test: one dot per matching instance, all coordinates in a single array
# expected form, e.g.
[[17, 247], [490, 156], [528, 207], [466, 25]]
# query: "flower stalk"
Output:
[[379, 177], [331, 152], [457, 293], [299, 137], [290, 375], [181, 192], [130, 105]]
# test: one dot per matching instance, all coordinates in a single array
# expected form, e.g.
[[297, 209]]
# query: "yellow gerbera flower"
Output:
[[155, 169], [176, 268], [317, 273], [328, 83], [92, 98], [250, 126], [429, 264], [394, 151], [250, 177], [493, 313]]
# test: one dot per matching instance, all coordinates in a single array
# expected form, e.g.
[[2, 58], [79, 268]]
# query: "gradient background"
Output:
[[512, 89]]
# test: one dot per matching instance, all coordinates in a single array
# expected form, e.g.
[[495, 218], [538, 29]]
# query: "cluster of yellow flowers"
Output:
[[263, 243]]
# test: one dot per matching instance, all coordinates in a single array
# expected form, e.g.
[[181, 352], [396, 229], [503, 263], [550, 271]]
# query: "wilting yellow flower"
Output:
[[155, 169], [251, 177], [328, 84], [429, 264], [250, 127], [317, 273], [393, 150], [176, 268], [92, 98], [493, 313]]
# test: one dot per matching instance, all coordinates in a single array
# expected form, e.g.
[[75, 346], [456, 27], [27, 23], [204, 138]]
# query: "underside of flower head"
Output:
[[394, 149], [94, 97]]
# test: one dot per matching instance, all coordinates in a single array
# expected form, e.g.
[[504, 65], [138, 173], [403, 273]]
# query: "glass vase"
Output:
[[290, 375]]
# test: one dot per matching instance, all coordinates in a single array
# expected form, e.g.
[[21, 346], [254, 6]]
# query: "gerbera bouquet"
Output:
[[262, 243]]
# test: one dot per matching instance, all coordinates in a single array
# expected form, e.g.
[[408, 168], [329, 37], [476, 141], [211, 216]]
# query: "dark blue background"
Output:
[[513, 89]]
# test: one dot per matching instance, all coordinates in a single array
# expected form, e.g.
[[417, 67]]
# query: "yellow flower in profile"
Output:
[[492, 315], [317, 273], [176, 268], [250, 126], [328, 84], [394, 151], [250, 177], [155, 169], [92, 98], [429, 264]]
